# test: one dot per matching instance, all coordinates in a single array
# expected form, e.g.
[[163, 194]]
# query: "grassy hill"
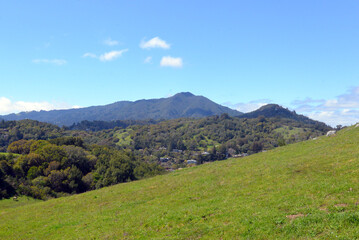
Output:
[[300, 191]]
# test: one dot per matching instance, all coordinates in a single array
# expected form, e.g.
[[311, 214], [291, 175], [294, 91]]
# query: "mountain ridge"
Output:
[[180, 105], [183, 104]]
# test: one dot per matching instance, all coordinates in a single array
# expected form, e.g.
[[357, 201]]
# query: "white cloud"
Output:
[[343, 110], [58, 62], [7, 106], [89, 55], [109, 56], [248, 106], [155, 42], [148, 60], [169, 61], [334, 118], [110, 42]]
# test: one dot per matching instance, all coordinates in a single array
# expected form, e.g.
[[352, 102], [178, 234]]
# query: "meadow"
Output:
[[306, 190]]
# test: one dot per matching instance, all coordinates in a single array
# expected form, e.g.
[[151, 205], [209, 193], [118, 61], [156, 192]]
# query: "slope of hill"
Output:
[[180, 105], [275, 110], [300, 191]]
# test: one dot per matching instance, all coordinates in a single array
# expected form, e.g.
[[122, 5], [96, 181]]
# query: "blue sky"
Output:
[[303, 55]]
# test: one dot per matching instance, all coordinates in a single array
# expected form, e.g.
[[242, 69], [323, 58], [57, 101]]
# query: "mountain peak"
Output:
[[275, 110], [271, 110], [184, 94], [271, 106], [181, 105]]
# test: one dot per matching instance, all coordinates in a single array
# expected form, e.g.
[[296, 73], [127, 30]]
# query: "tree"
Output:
[[74, 176], [20, 147], [281, 141], [51, 152], [6, 190], [33, 173], [55, 179], [77, 156], [256, 146]]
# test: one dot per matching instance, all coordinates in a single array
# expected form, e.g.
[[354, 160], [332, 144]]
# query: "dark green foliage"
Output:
[[76, 141], [12, 131], [48, 170], [53, 152], [281, 142], [33, 172], [20, 147], [102, 125], [6, 190]]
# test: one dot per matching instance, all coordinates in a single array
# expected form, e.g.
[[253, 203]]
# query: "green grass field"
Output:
[[20, 201], [307, 190]]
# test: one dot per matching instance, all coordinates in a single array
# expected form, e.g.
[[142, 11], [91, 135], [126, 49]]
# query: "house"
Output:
[[330, 133], [231, 151], [163, 159], [241, 155], [176, 150], [191, 161]]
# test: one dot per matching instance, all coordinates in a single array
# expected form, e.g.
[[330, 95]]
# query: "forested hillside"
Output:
[[11, 131], [207, 139], [62, 166], [44, 160]]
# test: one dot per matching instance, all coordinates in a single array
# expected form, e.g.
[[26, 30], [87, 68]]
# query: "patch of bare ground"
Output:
[[341, 205], [294, 216], [323, 208]]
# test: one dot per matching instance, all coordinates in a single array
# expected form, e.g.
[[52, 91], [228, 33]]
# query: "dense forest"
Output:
[[61, 166], [209, 139], [43, 160]]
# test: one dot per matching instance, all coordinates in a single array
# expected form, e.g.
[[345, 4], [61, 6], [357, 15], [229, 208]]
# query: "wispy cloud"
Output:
[[155, 42], [58, 62], [7, 106], [343, 109], [110, 42], [248, 106], [169, 61], [109, 56], [89, 55], [148, 60]]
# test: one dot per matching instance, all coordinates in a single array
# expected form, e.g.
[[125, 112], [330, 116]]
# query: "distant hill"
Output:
[[275, 110], [180, 105]]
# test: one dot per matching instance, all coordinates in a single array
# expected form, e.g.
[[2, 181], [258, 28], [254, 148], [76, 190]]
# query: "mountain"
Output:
[[275, 110], [307, 190], [180, 105]]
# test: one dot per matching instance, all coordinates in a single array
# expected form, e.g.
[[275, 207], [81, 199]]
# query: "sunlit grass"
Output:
[[300, 191]]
